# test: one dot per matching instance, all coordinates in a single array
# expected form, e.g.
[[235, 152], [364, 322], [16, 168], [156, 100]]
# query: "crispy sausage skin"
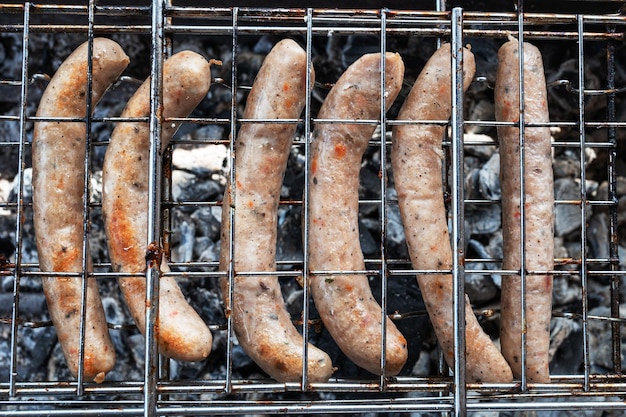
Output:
[[538, 210], [59, 150], [182, 334], [345, 302], [261, 322], [416, 157]]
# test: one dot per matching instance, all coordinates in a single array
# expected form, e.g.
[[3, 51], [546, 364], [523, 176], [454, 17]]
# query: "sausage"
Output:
[[261, 322], [538, 210], [59, 150], [416, 157], [345, 301], [181, 333]]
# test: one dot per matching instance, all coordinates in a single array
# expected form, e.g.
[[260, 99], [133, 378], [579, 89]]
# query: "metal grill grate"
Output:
[[156, 386]]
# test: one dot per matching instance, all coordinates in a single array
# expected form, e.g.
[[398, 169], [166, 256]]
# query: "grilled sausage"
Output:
[[416, 157], [261, 322], [538, 210], [181, 333], [59, 150], [345, 301]]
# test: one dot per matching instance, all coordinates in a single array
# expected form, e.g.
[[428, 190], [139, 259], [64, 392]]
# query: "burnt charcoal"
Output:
[[471, 184], [288, 238], [565, 290], [207, 222], [567, 216], [26, 186], [489, 178], [34, 349], [566, 165], [423, 365], [369, 245], [482, 219], [480, 287], [566, 347], [395, 237], [600, 353], [293, 295], [117, 315], [185, 249], [188, 187], [206, 250], [598, 236], [563, 104], [483, 181], [27, 284], [369, 186], [475, 147], [31, 304], [9, 132]]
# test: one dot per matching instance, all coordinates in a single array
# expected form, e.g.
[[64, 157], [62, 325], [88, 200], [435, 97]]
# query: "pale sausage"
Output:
[[416, 157], [59, 151], [181, 332], [538, 210], [262, 324], [345, 301]]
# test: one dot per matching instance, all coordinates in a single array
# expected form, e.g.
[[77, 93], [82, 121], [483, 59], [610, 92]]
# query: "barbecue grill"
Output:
[[588, 121]]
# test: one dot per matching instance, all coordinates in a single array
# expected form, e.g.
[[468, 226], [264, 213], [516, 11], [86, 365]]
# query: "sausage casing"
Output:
[[262, 324], [181, 332], [416, 157], [59, 150], [345, 301], [538, 210]]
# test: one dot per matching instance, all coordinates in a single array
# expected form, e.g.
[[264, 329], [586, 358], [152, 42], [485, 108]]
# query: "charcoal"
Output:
[[482, 219], [480, 287], [565, 290], [206, 250], [471, 187], [598, 236], [207, 222], [600, 353], [489, 178], [566, 164], [566, 216], [31, 304], [185, 249]]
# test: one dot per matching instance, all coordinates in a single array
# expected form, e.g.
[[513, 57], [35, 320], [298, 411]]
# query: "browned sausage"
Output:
[[58, 185], [345, 302], [416, 157], [181, 332], [538, 210], [261, 322]]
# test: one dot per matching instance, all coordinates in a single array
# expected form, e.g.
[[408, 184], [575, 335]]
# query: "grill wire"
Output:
[[167, 27]]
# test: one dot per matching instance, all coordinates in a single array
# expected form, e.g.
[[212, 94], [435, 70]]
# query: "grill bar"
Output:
[[306, 297], [583, 205], [19, 208], [458, 214], [612, 177], [232, 182], [153, 234], [383, 193]]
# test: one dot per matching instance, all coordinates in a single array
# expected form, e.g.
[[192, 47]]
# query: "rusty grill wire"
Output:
[[156, 393]]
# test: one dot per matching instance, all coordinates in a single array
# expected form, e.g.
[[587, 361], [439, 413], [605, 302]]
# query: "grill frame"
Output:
[[155, 395]]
